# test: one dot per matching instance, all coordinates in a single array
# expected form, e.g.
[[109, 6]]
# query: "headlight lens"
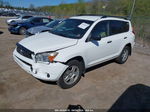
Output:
[[46, 57]]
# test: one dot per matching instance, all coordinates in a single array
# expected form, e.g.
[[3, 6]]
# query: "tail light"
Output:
[[133, 31]]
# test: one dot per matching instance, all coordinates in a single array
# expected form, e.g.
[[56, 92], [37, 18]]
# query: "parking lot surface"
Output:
[[99, 89]]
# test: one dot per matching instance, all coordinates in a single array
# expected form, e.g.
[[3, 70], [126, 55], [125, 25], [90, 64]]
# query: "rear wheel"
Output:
[[71, 76], [124, 55], [22, 31]]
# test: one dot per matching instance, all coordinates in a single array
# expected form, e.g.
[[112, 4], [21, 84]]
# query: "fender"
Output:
[[124, 46], [70, 53]]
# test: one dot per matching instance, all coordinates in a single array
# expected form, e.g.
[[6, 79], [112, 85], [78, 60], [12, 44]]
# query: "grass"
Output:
[[142, 29]]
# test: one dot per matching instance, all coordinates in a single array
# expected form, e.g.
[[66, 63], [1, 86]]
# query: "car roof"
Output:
[[97, 17], [40, 17], [27, 15], [23, 15], [90, 18]]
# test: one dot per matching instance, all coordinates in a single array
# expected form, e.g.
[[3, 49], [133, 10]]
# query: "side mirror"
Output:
[[98, 38], [91, 38]]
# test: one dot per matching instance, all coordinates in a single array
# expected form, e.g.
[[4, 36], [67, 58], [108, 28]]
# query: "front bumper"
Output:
[[47, 72], [13, 29]]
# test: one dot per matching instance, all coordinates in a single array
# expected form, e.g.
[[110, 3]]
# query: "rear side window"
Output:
[[26, 17], [45, 20], [117, 27]]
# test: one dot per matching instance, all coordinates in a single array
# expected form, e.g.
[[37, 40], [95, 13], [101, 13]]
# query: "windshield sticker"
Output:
[[83, 25]]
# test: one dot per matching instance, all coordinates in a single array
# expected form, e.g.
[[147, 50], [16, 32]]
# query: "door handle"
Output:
[[109, 42], [125, 37]]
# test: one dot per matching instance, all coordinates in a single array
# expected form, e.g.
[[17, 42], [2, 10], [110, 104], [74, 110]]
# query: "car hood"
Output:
[[13, 23], [17, 23], [38, 29], [46, 41], [13, 19]]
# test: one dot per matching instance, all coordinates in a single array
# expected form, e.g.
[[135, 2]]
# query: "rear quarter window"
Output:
[[117, 27]]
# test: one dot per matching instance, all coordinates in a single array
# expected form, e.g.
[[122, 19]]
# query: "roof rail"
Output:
[[90, 15], [103, 16]]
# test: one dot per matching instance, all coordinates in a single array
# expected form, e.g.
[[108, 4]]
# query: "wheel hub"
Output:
[[125, 55], [72, 75]]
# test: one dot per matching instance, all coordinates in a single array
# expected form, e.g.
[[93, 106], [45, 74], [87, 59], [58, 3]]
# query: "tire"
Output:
[[70, 78], [22, 31], [124, 55]]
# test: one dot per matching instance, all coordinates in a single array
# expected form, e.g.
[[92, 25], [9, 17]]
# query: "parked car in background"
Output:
[[21, 27], [20, 18], [39, 29], [10, 14], [1, 13], [77, 43]]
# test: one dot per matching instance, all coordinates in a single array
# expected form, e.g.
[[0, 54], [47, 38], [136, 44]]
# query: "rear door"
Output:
[[117, 35]]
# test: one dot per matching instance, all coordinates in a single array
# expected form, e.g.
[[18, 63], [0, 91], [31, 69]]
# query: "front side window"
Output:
[[37, 20], [117, 27], [100, 30], [72, 28]]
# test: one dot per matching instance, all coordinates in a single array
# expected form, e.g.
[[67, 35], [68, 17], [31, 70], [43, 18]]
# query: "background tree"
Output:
[[1, 3]]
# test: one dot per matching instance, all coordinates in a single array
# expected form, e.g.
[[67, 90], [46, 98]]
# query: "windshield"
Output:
[[30, 19], [72, 28], [53, 23]]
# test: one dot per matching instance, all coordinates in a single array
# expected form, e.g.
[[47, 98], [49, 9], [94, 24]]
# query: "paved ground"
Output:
[[99, 89]]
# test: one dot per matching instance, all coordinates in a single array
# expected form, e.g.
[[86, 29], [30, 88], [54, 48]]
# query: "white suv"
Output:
[[80, 42]]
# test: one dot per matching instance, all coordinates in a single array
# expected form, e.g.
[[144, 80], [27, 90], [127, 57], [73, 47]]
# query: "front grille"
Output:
[[24, 51]]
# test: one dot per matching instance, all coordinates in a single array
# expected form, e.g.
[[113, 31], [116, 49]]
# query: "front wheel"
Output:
[[124, 55], [71, 76], [22, 31]]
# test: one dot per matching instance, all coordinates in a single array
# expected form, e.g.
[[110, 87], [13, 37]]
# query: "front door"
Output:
[[99, 50]]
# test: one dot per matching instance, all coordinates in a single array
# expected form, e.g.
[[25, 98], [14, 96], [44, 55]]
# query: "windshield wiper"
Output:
[[60, 34]]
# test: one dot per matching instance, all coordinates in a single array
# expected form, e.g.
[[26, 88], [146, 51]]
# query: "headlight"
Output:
[[17, 26], [46, 57]]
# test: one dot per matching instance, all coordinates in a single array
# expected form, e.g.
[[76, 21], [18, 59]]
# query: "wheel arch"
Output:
[[80, 59], [130, 47]]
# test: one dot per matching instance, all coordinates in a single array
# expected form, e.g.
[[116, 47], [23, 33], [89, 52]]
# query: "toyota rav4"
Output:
[[64, 53]]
